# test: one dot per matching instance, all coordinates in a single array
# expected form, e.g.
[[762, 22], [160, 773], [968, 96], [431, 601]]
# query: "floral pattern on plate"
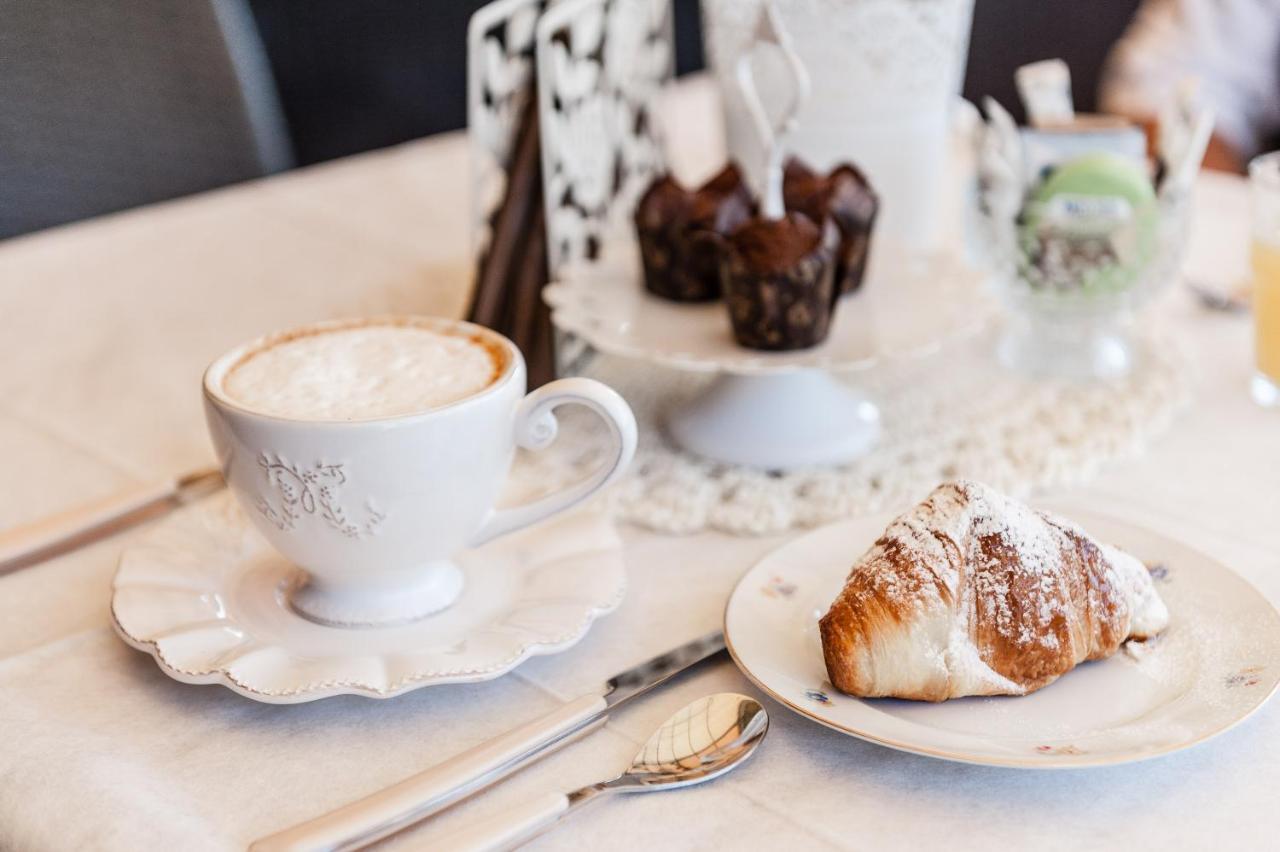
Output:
[[1248, 676], [778, 588]]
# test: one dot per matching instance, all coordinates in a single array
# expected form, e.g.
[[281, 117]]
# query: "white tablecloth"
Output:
[[105, 327]]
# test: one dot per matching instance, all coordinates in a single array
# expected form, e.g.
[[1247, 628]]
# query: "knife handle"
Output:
[[23, 545], [427, 793]]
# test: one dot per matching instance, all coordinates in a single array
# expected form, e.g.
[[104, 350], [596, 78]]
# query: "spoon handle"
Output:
[[508, 829]]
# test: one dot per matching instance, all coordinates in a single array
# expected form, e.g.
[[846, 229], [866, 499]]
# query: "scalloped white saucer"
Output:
[[1216, 663], [203, 594]]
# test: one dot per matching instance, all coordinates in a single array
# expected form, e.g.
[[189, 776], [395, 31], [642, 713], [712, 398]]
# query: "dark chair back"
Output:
[[108, 104]]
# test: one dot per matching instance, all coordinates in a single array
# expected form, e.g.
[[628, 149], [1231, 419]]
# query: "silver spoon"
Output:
[[702, 741]]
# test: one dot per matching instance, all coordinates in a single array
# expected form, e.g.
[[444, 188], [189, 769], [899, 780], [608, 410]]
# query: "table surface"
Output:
[[106, 328]]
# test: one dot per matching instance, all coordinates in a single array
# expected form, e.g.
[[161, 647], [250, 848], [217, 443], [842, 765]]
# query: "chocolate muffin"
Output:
[[682, 232], [846, 198], [779, 282]]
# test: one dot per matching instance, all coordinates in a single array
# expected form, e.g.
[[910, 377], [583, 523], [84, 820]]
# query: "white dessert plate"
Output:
[[203, 593], [1218, 662], [908, 307]]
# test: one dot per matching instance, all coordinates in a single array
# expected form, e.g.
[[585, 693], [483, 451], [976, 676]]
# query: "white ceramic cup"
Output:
[[373, 510]]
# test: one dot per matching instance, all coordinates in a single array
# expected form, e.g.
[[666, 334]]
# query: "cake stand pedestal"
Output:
[[780, 421], [774, 410]]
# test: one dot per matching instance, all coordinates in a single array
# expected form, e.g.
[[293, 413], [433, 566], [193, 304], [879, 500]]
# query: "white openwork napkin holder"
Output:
[[600, 63], [500, 67]]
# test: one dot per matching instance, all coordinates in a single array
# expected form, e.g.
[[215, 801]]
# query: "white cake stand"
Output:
[[774, 410]]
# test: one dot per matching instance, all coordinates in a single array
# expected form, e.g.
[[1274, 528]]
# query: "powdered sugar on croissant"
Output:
[[974, 593]]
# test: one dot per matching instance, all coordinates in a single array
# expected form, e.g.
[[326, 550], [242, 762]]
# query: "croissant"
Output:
[[973, 593]]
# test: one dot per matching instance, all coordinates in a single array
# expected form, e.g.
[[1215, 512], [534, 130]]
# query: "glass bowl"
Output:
[[1073, 295]]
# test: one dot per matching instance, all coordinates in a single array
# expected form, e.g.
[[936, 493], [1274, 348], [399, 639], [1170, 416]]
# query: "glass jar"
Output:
[[1073, 314]]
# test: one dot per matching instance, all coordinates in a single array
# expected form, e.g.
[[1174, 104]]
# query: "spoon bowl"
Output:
[[701, 741]]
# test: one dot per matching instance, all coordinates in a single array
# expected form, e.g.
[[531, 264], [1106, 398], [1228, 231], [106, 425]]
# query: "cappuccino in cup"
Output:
[[364, 372], [369, 452]]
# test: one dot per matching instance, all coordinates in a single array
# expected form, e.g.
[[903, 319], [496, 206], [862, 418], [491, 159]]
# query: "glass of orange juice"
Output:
[[1265, 191], [1264, 187]]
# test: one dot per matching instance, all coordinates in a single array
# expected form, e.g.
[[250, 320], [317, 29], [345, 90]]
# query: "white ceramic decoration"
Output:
[[599, 65], [499, 89], [375, 510], [206, 596], [772, 126], [1218, 662], [775, 410], [884, 74]]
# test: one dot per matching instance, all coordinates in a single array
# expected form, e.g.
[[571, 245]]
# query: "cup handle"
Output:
[[535, 429]]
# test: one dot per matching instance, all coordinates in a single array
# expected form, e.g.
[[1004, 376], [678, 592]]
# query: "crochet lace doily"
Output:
[[955, 414]]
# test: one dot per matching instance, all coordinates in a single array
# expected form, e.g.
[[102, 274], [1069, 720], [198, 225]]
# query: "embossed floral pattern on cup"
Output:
[[313, 491]]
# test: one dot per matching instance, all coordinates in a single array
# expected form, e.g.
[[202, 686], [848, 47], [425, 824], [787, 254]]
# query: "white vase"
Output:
[[884, 74]]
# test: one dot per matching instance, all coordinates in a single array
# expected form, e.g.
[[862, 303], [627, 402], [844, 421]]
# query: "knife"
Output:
[[420, 796], [46, 538]]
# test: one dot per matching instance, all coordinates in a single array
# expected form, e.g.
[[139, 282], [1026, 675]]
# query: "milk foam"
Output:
[[362, 372]]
